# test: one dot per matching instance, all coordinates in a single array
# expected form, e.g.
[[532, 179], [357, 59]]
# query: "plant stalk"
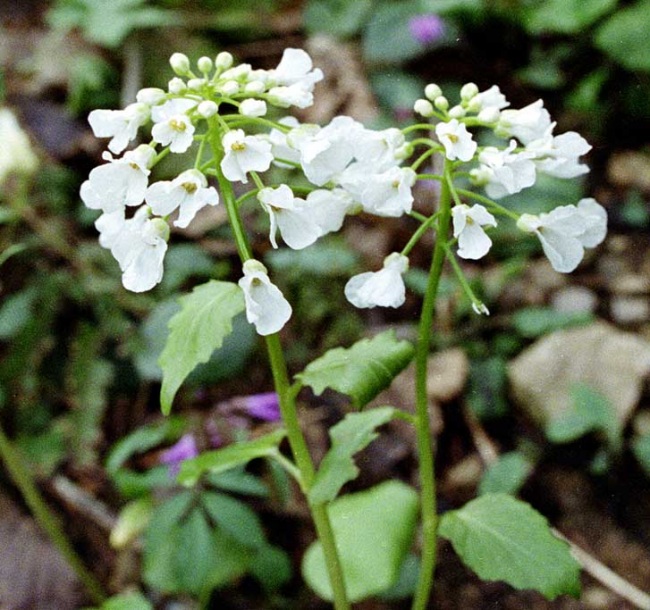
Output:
[[423, 419], [286, 398]]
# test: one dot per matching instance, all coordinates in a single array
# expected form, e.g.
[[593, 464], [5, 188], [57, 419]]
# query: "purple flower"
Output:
[[263, 406], [183, 450], [426, 29]]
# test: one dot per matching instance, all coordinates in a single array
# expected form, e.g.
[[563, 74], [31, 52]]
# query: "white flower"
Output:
[[328, 208], [384, 288], [110, 225], [252, 107], [558, 155], [121, 182], [326, 152], [379, 149], [150, 96], [457, 140], [266, 306], [16, 154], [487, 102], [295, 68], [502, 172], [389, 193], [173, 127], [244, 154], [293, 95], [291, 216], [119, 125], [473, 242], [140, 248], [526, 124], [566, 231], [280, 146], [188, 193]]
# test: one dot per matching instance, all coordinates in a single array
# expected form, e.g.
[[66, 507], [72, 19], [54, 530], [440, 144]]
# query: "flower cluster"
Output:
[[222, 112]]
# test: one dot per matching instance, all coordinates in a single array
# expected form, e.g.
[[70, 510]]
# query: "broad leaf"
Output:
[[361, 371], [565, 16], [353, 433], [624, 36], [196, 331], [502, 538], [506, 475], [235, 518], [589, 411], [374, 530], [230, 456]]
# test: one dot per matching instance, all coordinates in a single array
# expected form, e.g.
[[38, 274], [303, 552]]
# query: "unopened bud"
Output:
[[468, 91], [204, 64], [150, 96], [223, 61], [180, 64], [457, 112], [441, 103], [424, 108], [207, 108], [176, 86], [432, 91]]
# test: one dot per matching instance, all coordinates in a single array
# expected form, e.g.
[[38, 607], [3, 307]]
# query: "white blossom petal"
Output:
[[384, 288], [266, 306]]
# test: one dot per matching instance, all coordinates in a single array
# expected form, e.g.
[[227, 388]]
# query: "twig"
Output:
[[598, 570], [83, 502]]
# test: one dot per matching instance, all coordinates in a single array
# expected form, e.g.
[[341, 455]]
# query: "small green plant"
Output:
[[227, 119]]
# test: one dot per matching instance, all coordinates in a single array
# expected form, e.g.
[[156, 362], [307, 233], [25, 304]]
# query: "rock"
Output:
[[609, 361], [447, 374]]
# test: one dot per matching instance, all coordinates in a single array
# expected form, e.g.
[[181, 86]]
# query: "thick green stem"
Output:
[[45, 518], [423, 420], [286, 397]]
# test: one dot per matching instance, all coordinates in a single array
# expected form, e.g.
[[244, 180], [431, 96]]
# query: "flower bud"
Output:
[[489, 115], [253, 108], [230, 87], [223, 61], [150, 96], [441, 103], [180, 64], [195, 83], [457, 112], [207, 108], [424, 108], [432, 91], [468, 91], [254, 87], [160, 228], [176, 86], [204, 64]]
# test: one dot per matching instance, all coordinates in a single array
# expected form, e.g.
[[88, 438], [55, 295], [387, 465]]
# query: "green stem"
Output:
[[423, 423], [45, 518], [286, 396]]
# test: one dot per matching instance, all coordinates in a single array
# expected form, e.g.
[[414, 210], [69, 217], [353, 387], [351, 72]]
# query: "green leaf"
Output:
[[565, 16], [339, 18], [271, 566], [196, 331], [230, 456], [537, 321], [16, 311], [354, 432], [374, 530], [506, 475], [641, 450], [589, 411], [502, 538], [624, 36], [127, 601], [235, 518], [361, 371], [488, 382]]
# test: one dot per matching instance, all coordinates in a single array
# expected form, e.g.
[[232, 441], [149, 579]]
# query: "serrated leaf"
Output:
[[506, 475], [502, 538], [374, 530], [196, 331], [361, 371], [230, 456], [354, 432], [624, 36]]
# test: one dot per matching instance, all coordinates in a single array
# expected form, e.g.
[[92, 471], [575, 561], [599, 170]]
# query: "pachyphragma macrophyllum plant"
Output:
[[227, 115]]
